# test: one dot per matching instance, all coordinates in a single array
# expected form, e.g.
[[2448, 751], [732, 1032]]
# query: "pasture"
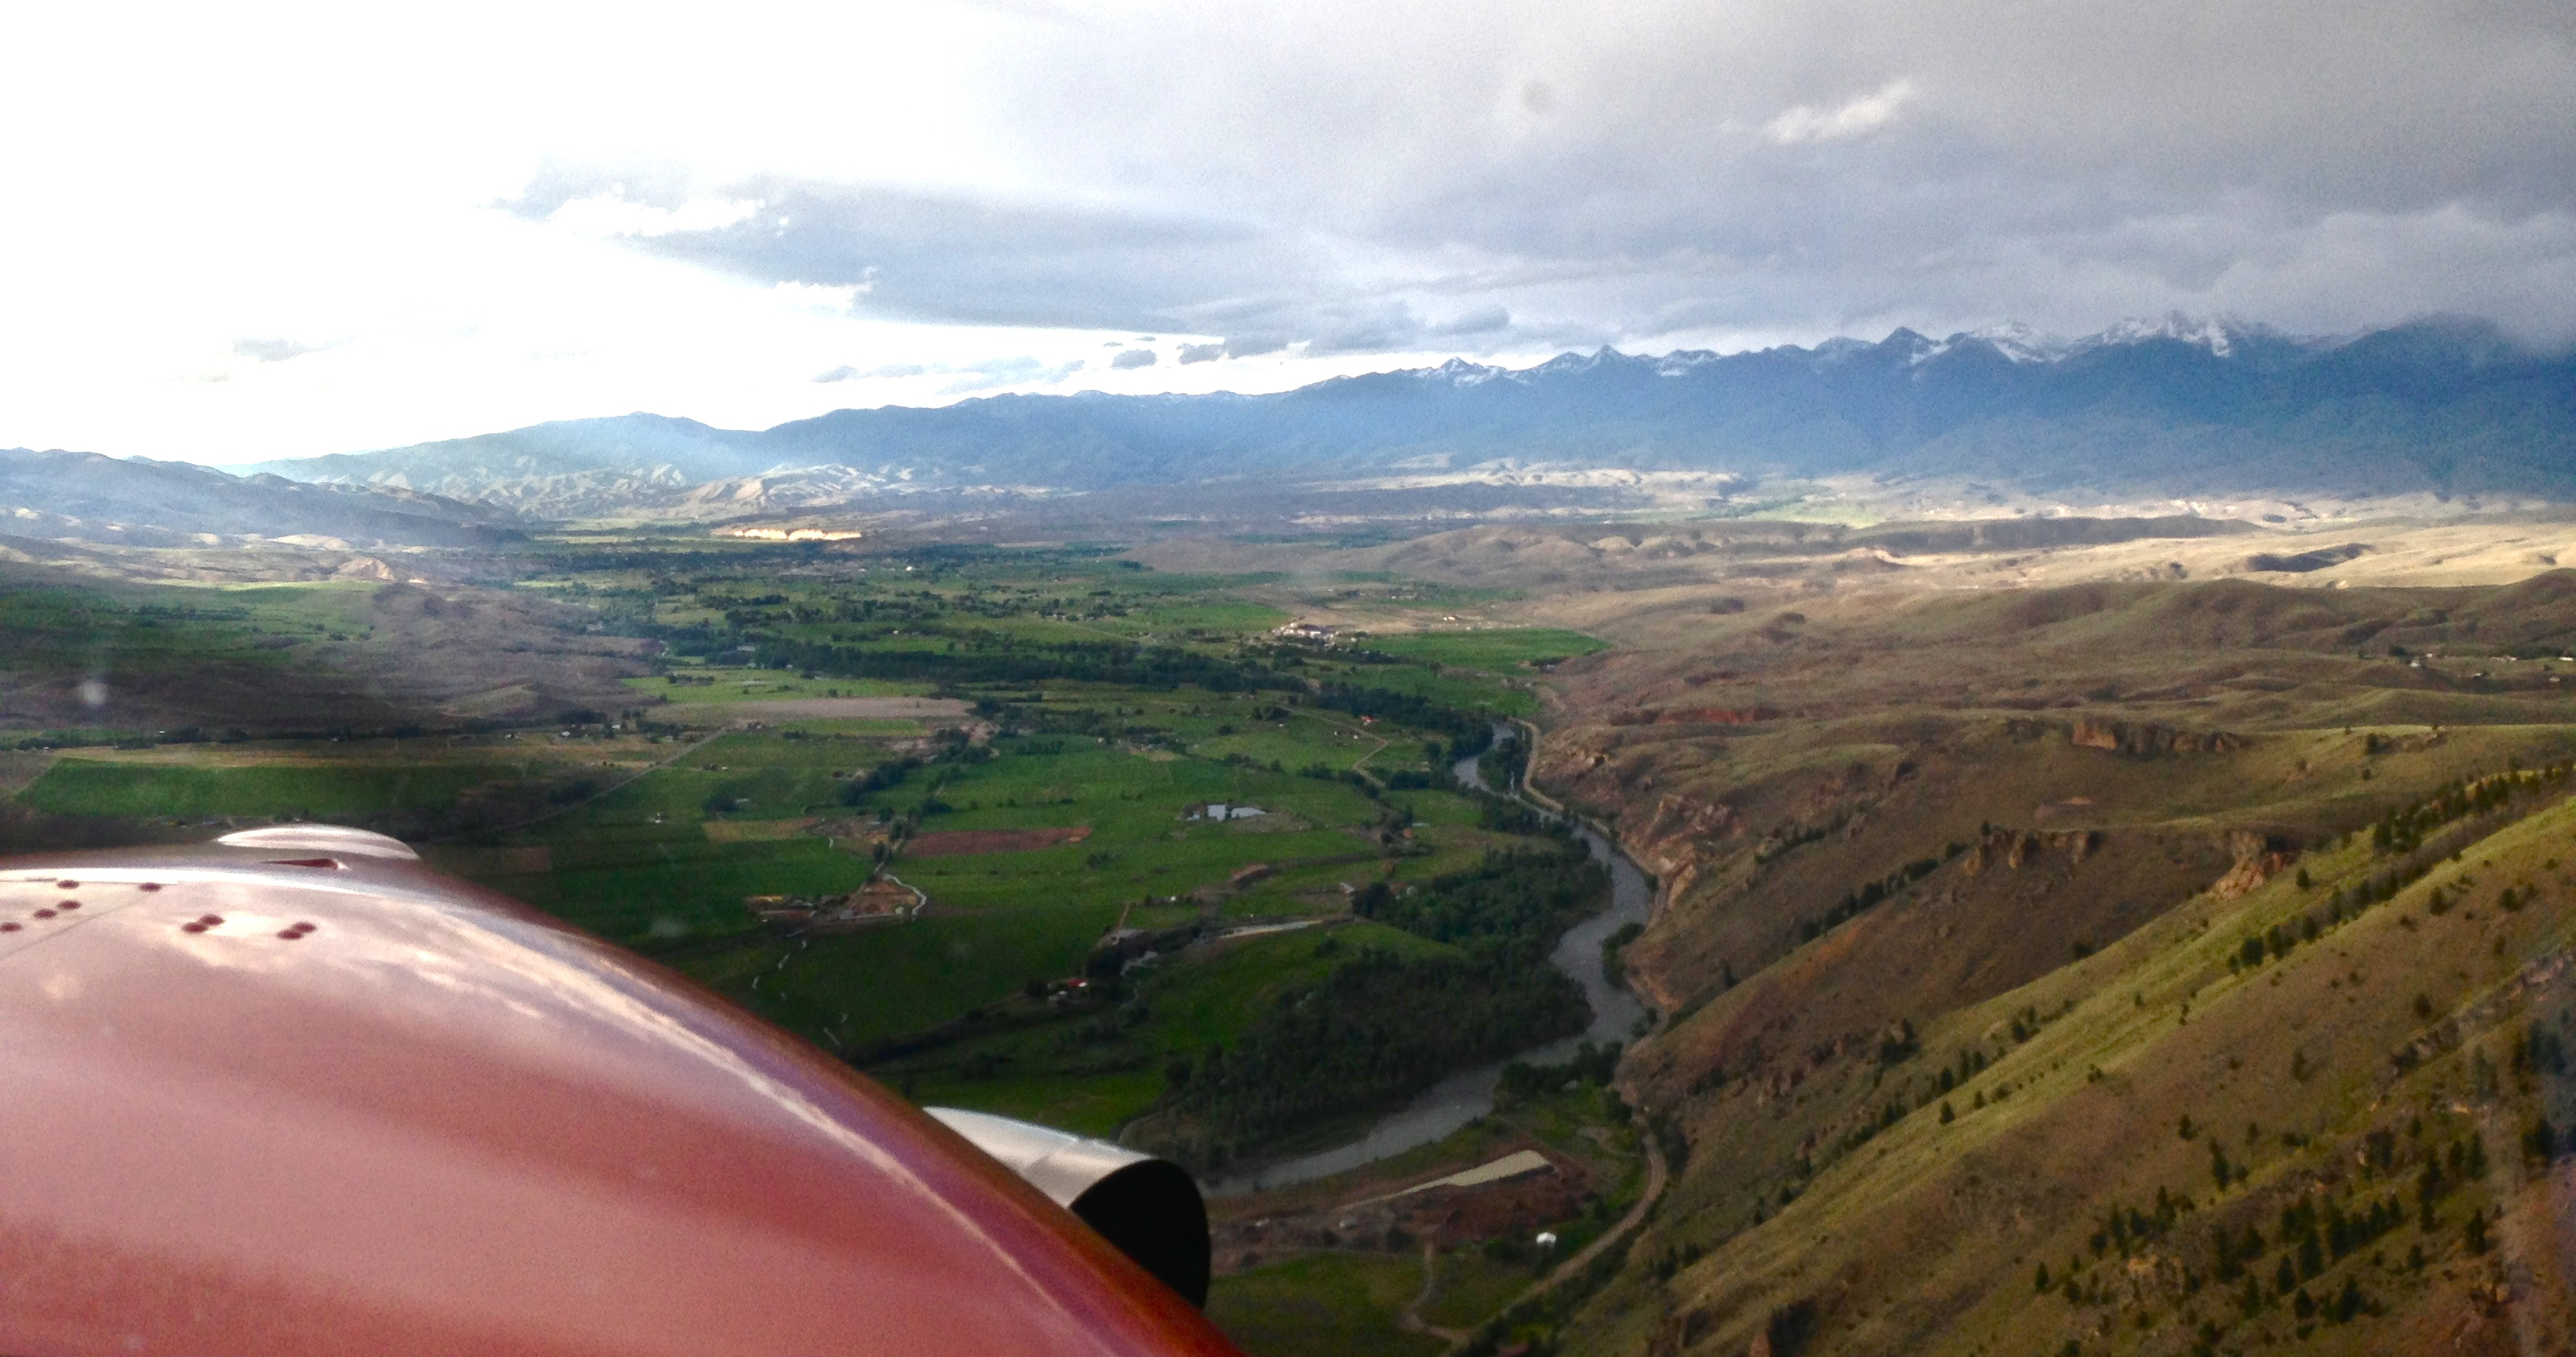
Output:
[[1323, 1305], [1073, 809], [321, 791], [1498, 650]]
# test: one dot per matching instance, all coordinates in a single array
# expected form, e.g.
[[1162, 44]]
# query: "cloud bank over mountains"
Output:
[[1401, 177], [399, 231], [2173, 408]]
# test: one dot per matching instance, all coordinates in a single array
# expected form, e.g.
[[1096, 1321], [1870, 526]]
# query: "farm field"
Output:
[[1065, 720], [1496, 650], [721, 687], [76, 786], [1324, 1305], [1139, 826]]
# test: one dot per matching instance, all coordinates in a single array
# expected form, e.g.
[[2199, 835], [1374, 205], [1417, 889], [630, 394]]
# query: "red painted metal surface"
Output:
[[288, 1101]]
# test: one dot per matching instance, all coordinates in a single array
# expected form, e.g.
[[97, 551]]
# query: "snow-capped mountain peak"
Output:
[[2221, 335], [2020, 343]]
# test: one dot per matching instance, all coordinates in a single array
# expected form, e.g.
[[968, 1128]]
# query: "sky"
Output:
[[230, 233]]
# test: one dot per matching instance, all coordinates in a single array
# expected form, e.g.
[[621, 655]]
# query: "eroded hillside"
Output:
[[1958, 889]]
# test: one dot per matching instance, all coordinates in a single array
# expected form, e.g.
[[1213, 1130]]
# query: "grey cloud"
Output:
[[1200, 353], [935, 257], [1531, 174], [952, 259], [1135, 358], [1482, 321], [1919, 163]]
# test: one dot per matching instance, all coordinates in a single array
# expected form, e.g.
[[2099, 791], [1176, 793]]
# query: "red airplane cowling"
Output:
[[296, 1094]]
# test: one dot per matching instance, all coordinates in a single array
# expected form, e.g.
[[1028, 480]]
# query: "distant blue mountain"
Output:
[[83, 496], [692, 451], [2442, 406]]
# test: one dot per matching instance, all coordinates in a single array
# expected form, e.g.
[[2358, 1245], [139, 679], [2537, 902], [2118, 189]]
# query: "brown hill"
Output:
[[1982, 849]]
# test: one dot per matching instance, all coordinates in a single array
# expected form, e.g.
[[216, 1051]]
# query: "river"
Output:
[[1469, 1094]]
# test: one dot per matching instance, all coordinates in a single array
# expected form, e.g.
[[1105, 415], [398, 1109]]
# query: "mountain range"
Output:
[[2446, 407], [85, 497]]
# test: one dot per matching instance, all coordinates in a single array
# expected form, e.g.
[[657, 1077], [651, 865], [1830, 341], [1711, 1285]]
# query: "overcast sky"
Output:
[[232, 232]]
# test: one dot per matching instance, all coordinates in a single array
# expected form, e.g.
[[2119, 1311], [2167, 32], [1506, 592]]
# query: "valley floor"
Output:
[[2070, 937]]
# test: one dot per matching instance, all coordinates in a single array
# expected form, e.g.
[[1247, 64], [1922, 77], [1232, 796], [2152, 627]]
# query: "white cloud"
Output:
[[610, 215], [1012, 372], [274, 348], [822, 298], [1859, 117]]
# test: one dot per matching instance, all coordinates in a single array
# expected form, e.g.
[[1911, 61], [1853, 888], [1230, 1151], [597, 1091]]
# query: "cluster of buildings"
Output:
[[884, 900], [791, 534], [1311, 633]]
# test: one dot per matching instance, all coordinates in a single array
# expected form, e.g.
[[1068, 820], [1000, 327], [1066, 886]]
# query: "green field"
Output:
[[639, 865], [666, 862], [761, 685], [1497, 650], [152, 626], [1472, 1288], [1187, 1005], [75, 786], [1323, 1305], [1110, 702]]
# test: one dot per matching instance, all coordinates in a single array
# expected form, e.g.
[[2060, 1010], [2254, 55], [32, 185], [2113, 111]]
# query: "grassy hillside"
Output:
[[2303, 1117], [1970, 901]]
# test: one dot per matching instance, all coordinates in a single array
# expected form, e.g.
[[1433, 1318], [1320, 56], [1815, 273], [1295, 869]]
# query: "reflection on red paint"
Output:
[[434, 1127]]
